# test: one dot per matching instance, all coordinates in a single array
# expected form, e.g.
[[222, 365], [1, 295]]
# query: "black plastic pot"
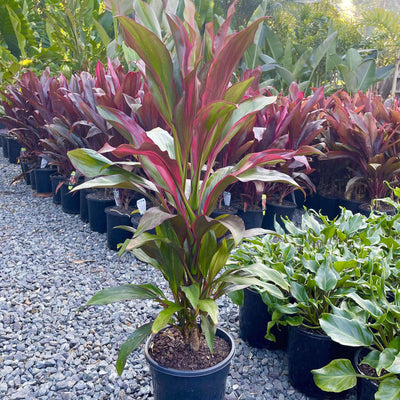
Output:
[[4, 145], [97, 215], [55, 181], [14, 150], [251, 218], [224, 210], [25, 167], [33, 179], [43, 182], [278, 211], [69, 201], [253, 323], [203, 384], [117, 217], [306, 351], [365, 209], [83, 204], [366, 388], [351, 205], [328, 206]]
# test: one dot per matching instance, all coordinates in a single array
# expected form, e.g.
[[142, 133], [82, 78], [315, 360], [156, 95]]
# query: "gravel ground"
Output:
[[50, 265]]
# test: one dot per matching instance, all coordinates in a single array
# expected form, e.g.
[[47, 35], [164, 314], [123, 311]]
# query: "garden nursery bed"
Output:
[[51, 264]]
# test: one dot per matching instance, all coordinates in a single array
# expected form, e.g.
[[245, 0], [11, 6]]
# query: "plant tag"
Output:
[[117, 198], [264, 202], [227, 198], [43, 163], [141, 205], [259, 132]]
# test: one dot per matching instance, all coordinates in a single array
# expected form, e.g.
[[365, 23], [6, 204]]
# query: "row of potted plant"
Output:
[[340, 146], [341, 294]]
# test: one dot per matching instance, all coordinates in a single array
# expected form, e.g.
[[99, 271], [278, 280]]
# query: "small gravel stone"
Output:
[[51, 264]]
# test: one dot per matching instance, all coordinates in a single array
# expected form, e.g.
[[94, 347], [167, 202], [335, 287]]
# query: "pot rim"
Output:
[[306, 332], [193, 373]]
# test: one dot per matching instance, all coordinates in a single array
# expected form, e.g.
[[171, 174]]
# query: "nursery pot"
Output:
[[69, 201], [4, 145], [117, 216], [32, 177], [308, 350], [83, 204], [42, 177], [55, 181], [96, 207], [251, 218], [25, 167], [328, 206], [366, 388], [253, 323], [365, 209], [203, 384], [14, 150], [224, 210], [277, 211], [351, 205]]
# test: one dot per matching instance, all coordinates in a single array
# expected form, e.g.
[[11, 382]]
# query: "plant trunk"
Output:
[[194, 338]]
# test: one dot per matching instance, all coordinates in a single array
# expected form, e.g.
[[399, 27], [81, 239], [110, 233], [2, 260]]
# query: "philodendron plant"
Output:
[[320, 261], [370, 317], [373, 322], [191, 86]]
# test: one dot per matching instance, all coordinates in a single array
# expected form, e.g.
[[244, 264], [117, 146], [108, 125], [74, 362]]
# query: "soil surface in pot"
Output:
[[170, 350]]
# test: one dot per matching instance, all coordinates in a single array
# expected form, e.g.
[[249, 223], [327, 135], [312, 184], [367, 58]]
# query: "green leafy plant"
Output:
[[371, 321], [320, 260], [203, 112]]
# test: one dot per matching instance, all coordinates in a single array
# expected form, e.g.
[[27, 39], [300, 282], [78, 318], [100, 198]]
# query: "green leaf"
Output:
[[366, 304], [134, 340], [208, 328], [389, 389], [164, 317], [218, 261], [192, 293], [126, 292], [148, 18], [299, 292], [210, 307], [337, 376], [237, 297], [346, 332], [326, 277], [273, 43]]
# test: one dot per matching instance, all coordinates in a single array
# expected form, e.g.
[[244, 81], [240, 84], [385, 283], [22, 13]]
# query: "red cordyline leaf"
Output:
[[225, 62], [100, 80], [223, 30], [114, 78], [127, 126], [182, 40], [160, 163]]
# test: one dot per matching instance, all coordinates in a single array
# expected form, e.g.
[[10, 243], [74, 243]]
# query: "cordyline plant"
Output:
[[367, 136], [28, 108], [203, 111], [292, 124]]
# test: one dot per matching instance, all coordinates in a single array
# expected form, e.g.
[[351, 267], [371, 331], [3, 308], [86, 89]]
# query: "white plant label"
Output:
[[43, 163], [117, 198], [227, 199], [141, 205]]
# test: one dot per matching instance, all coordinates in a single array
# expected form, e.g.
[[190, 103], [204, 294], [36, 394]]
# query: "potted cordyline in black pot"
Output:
[[203, 111]]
